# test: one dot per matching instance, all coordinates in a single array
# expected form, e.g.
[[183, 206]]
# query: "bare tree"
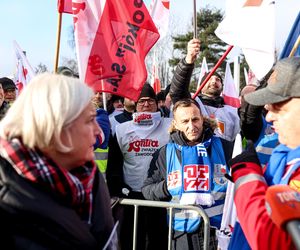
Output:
[[161, 53], [41, 68], [71, 64]]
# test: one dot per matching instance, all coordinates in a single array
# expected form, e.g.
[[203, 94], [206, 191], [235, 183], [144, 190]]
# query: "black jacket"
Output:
[[180, 86], [124, 116], [155, 186], [33, 218], [251, 120]]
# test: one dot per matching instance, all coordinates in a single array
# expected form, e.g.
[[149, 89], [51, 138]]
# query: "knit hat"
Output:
[[7, 83], [214, 74], [161, 96], [148, 91], [283, 84]]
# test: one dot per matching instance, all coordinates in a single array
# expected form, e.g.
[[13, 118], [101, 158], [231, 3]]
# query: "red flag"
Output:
[[113, 38], [229, 92], [64, 6]]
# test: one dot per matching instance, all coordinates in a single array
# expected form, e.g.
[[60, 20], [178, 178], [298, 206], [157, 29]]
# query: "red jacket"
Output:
[[249, 198]]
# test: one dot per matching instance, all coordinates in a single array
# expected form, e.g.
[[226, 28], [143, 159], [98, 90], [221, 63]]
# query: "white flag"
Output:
[[203, 71], [24, 70], [229, 216], [160, 12], [252, 28], [230, 94]]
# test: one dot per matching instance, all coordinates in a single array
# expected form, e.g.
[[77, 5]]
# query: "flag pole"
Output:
[[213, 71], [295, 47], [104, 97], [195, 19], [57, 42]]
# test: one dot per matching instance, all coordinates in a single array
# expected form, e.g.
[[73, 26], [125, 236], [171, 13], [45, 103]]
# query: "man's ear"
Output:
[[172, 127], [174, 124]]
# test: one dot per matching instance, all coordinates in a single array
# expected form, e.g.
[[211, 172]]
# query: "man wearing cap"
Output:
[[210, 100], [9, 89], [129, 158], [281, 98], [254, 126]]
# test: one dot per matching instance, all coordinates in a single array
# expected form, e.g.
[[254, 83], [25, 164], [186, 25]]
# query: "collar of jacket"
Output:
[[212, 101]]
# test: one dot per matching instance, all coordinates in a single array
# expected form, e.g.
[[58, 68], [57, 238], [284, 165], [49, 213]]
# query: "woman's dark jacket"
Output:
[[33, 218]]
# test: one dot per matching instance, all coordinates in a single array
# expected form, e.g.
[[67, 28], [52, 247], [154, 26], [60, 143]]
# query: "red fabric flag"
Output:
[[229, 92], [113, 38], [64, 6]]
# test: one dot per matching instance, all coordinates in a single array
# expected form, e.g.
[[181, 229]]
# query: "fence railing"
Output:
[[170, 206]]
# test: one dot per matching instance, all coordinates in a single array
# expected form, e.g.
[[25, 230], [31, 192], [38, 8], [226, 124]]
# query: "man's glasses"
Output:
[[142, 102]]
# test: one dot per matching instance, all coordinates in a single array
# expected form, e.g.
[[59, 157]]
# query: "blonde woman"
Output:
[[52, 195]]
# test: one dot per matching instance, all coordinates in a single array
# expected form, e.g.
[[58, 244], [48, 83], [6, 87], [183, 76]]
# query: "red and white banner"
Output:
[[251, 27], [155, 79], [160, 13], [230, 94], [203, 71], [229, 217], [64, 6], [112, 39], [252, 78], [24, 71]]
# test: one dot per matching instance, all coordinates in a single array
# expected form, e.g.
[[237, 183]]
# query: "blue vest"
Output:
[[198, 180], [266, 142]]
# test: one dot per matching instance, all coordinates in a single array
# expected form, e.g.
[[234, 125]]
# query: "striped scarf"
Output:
[[74, 187]]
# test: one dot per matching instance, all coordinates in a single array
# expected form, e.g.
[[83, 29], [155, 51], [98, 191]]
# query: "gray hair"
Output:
[[49, 104]]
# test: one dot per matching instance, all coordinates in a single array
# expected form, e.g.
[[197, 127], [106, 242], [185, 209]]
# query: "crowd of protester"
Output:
[[67, 151]]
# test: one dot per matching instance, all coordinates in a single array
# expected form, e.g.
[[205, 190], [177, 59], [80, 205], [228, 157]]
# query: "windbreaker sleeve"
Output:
[[181, 80], [155, 186], [249, 198]]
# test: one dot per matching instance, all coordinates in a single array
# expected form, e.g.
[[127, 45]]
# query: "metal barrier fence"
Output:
[[170, 206]]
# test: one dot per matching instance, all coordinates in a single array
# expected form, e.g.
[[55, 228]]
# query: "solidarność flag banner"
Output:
[[112, 40]]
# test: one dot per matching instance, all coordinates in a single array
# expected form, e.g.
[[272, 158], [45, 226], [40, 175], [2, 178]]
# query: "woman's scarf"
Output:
[[74, 187]]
